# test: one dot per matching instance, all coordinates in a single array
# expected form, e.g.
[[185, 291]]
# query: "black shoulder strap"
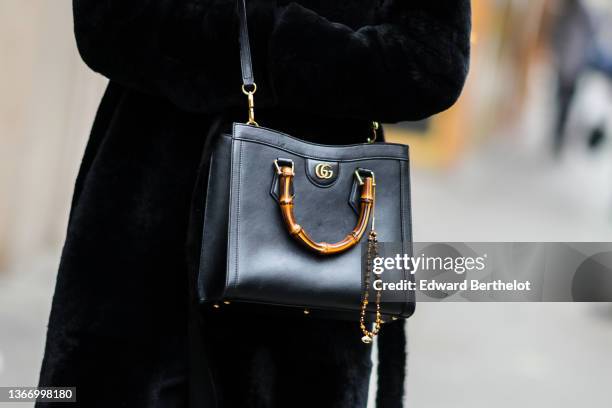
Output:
[[248, 78]]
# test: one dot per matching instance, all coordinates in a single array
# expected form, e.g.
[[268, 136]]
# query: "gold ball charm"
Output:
[[366, 339]]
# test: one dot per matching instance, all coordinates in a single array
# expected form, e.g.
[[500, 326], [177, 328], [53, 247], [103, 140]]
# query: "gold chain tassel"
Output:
[[368, 335]]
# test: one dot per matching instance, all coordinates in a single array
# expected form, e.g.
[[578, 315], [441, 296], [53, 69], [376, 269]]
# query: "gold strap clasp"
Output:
[[251, 100], [375, 127]]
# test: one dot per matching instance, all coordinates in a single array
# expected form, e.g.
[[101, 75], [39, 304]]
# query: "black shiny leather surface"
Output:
[[247, 254], [246, 64]]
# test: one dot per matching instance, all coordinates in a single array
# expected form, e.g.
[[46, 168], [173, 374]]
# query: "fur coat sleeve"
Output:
[[394, 60]]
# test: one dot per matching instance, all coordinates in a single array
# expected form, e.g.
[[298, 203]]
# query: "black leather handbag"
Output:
[[273, 200]]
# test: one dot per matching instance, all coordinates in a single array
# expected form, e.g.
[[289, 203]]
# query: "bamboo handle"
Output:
[[286, 206]]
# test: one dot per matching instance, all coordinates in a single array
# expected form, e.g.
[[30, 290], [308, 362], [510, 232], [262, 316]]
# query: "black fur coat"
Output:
[[124, 328]]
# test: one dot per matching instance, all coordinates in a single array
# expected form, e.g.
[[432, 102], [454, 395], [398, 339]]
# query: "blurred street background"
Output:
[[526, 155]]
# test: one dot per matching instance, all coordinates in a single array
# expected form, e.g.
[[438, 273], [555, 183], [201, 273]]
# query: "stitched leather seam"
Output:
[[403, 227], [334, 159], [263, 128], [232, 215], [409, 209], [238, 216], [409, 219], [230, 220]]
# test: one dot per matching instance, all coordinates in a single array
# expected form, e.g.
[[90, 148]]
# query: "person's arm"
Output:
[[410, 63]]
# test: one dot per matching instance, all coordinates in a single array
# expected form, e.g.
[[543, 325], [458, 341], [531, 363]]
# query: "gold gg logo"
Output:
[[324, 171]]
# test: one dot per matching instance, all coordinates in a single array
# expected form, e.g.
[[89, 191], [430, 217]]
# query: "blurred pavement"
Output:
[[501, 355]]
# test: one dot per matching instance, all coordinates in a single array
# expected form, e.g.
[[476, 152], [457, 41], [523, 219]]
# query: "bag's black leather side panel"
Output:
[[211, 277]]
